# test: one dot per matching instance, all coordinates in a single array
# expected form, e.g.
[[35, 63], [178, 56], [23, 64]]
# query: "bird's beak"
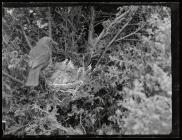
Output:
[[54, 43]]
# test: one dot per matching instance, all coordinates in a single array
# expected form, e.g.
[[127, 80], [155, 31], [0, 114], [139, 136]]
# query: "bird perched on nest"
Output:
[[40, 58]]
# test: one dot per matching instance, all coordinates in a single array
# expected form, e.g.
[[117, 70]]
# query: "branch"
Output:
[[16, 80], [114, 38], [32, 39], [43, 31], [130, 34], [14, 131], [73, 27], [99, 37], [36, 107], [49, 20], [99, 22], [82, 125], [132, 39], [6, 38], [28, 42], [67, 30], [21, 26], [67, 130], [118, 19], [91, 26]]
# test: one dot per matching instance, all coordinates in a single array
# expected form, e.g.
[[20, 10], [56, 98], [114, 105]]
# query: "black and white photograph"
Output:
[[91, 69]]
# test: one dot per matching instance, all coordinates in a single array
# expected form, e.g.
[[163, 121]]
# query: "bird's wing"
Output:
[[43, 59], [39, 55], [39, 51]]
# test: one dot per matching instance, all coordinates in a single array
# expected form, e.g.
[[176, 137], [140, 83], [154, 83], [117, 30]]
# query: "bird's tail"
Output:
[[33, 77]]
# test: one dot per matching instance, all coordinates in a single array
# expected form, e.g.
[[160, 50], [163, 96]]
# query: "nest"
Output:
[[66, 78]]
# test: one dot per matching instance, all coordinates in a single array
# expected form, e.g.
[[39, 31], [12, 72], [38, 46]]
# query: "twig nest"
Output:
[[66, 77]]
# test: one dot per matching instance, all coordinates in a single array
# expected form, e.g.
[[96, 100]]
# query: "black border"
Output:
[[175, 44]]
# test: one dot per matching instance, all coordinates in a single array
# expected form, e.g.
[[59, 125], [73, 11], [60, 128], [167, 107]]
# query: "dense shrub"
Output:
[[123, 70]]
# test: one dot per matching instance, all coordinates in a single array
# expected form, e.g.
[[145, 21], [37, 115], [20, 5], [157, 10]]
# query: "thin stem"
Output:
[[110, 43], [26, 37], [81, 124], [73, 27], [130, 34], [118, 19], [16, 80], [91, 27], [49, 20]]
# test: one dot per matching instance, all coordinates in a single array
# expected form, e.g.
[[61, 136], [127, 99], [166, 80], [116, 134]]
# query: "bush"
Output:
[[117, 80]]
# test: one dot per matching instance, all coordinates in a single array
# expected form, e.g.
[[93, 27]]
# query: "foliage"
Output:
[[124, 70]]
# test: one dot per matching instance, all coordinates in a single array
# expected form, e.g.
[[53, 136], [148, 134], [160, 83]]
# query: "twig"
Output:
[[67, 130], [68, 21], [56, 98], [81, 124], [99, 37], [67, 32], [73, 27], [105, 13], [36, 107], [16, 80], [118, 19], [72, 41], [83, 65], [44, 31], [110, 43], [32, 39], [100, 22], [49, 20], [7, 41], [91, 26], [18, 129], [130, 34], [27, 40], [48, 131], [115, 21]]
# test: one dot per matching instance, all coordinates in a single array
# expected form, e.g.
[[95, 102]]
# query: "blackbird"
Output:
[[40, 58]]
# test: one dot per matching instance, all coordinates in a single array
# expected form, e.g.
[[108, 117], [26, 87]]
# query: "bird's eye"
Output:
[[53, 42]]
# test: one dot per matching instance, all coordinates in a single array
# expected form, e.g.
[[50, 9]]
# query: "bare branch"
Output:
[[36, 107], [133, 39], [27, 40], [49, 20], [73, 27], [130, 34], [6, 38], [99, 37], [100, 22], [26, 37], [91, 27], [32, 39], [16, 80], [110, 43], [118, 19], [82, 125], [15, 130]]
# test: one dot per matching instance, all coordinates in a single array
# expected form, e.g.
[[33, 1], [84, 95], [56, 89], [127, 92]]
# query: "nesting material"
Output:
[[66, 77]]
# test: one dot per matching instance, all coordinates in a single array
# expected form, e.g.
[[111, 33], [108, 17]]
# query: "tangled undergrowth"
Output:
[[117, 81]]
